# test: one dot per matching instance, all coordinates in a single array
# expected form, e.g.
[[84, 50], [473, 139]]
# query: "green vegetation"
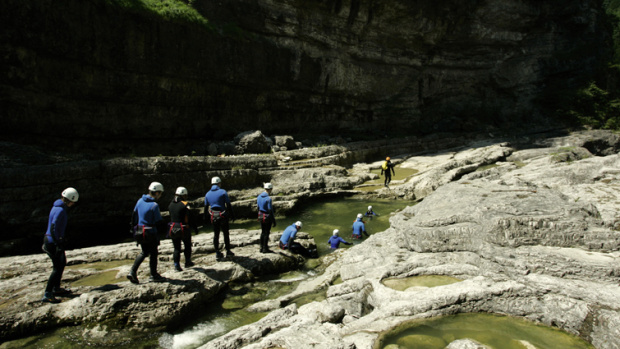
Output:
[[596, 103], [171, 10]]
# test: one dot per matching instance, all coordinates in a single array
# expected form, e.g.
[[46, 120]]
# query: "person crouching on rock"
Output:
[[335, 240], [54, 243], [180, 227], [359, 227], [266, 217], [287, 239], [219, 210], [146, 216]]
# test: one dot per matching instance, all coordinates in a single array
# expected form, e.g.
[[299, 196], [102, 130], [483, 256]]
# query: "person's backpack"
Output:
[[384, 166]]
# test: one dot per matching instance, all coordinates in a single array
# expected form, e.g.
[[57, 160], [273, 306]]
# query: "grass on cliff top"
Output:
[[171, 10]]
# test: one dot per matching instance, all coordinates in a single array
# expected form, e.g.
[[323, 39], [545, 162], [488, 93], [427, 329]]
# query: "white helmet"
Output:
[[268, 186], [359, 215], [336, 231], [298, 224], [71, 194], [181, 191], [369, 208], [156, 186], [216, 180]]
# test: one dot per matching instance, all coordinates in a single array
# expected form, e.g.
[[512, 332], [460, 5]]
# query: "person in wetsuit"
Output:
[[386, 167], [218, 210], [180, 228], [359, 227], [146, 216], [335, 240], [54, 243], [266, 217]]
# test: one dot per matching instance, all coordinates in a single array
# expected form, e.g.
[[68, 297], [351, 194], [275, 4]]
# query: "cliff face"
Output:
[[94, 75]]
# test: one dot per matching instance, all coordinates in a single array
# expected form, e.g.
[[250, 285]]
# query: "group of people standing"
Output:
[[147, 221], [147, 218]]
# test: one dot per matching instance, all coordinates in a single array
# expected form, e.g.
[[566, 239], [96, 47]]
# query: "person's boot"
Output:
[[48, 297], [229, 254], [60, 291], [156, 278], [133, 277], [177, 267], [219, 256], [189, 264]]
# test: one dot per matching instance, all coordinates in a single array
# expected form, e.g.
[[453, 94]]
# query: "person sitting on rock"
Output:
[[359, 227], [146, 216], [266, 217], [218, 210], [54, 243], [287, 240], [179, 228], [370, 213], [335, 240]]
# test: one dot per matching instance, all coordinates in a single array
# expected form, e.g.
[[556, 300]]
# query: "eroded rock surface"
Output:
[[115, 303], [535, 237]]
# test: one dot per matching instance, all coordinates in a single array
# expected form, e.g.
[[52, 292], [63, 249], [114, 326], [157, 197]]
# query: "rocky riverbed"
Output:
[[534, 235], [529, 225]]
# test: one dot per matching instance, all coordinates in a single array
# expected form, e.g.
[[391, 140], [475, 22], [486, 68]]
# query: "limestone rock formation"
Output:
[[117, 305], [536, 238]]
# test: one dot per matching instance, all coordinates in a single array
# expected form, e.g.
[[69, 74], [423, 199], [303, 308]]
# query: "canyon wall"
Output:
[[97, 76]]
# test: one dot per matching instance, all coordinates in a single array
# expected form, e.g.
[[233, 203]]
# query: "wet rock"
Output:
[[116, 304], [535, 240], [466, 344]]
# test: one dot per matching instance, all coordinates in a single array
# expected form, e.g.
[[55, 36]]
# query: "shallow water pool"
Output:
[[495, 331]]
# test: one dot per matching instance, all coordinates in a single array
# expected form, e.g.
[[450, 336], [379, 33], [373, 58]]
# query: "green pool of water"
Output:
[[401, 173], [495, 331], [99, 279], [401, 284], [101, 265], [320, 219]]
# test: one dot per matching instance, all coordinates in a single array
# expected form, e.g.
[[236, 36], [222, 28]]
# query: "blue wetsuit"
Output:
[[216, 200], [53, 245], [288, 235], [335, 241], [359, 228], [148, 215], [56, 223], [266, 217]]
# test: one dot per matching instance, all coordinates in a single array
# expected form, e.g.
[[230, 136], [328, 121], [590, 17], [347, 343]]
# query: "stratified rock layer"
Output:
[[117, 78]]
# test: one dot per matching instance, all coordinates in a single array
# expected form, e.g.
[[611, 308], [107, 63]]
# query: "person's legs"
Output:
[[187, 244], [264, 236], [133, 272], [59, 261], [216, 238], [226, 231], [176, 255], [153, 256]]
